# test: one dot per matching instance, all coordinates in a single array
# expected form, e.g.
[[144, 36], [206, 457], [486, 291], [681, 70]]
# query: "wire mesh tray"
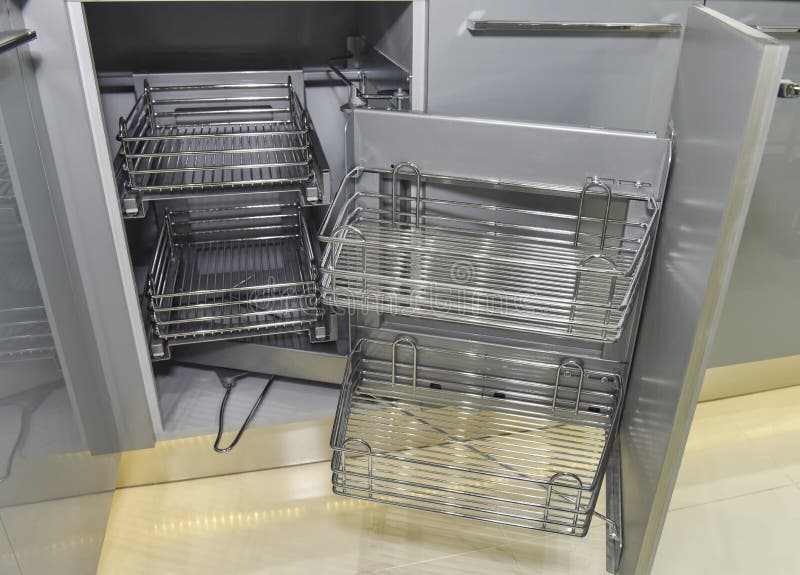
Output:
[[227, 273], [518, 442], [568, 266], [206, 137]]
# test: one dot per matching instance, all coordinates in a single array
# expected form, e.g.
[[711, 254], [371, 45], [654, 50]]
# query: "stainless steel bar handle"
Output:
[[540, 27], [779, 30], [10, 39]]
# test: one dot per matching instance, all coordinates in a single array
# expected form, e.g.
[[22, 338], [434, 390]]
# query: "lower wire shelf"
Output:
[[516, 442], [229, 273]]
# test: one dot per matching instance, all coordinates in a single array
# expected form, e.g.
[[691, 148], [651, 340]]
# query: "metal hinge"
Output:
[[789, 89]]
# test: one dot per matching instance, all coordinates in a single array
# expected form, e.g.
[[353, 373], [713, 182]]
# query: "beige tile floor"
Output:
[[736, 509]]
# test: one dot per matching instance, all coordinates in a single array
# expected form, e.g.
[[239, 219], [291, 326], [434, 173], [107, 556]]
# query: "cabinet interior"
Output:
[[133, 42], [492, 272]]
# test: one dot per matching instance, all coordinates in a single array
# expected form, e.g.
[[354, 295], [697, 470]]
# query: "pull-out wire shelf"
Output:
[[517, 442], [556, 261], [208, 137], [230, 273]]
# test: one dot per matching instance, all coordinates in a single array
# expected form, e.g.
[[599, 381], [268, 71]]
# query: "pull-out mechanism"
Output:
[[361, 95], [522, 442], [536, 258], [232, 273], [183, 140]]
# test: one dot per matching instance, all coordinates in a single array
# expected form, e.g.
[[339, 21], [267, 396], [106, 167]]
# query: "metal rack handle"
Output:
[[584, 191], [367, 452], [412, 168], [571, 27], [341, 234], [569, 364], [413, 345], [549, 499]]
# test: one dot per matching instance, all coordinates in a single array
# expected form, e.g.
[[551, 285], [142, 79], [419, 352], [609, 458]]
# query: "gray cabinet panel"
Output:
[[718, 145], [53, 401], [619, 81], [103, 282], [507, 151], [761, 313], [38, 285]]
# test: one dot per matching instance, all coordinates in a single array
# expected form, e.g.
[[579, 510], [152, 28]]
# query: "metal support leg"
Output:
[[614, 509]]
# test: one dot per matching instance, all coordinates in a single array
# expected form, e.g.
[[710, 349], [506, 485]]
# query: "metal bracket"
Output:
[[788, 89], [613, 515]]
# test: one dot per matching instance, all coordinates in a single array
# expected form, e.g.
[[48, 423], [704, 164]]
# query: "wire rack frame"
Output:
[[215, 136], [233, 273], [410, 256], [498, 447]]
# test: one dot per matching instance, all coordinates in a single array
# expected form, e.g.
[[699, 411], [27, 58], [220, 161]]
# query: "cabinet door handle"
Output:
[[537, 27], [10, 39], [779, 30]]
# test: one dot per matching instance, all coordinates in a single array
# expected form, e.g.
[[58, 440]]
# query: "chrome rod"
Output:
[[548, 27], [10, 39]]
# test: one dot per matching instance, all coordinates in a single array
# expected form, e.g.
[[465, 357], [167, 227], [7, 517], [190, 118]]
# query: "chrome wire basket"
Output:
[[531, 258], [206, 137], [227, 273], [517, 442]]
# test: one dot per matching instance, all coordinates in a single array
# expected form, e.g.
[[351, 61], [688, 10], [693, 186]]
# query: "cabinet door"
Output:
[[41, 288], [760, 316], [724, 99], [53, 403], [613, 78]]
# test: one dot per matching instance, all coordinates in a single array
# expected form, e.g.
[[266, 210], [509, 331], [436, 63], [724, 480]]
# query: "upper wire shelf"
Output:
[[541, 259], [518, 442], [205, 137]]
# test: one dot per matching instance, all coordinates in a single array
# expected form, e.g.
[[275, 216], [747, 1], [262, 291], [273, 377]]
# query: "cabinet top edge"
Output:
[[577, 129]]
